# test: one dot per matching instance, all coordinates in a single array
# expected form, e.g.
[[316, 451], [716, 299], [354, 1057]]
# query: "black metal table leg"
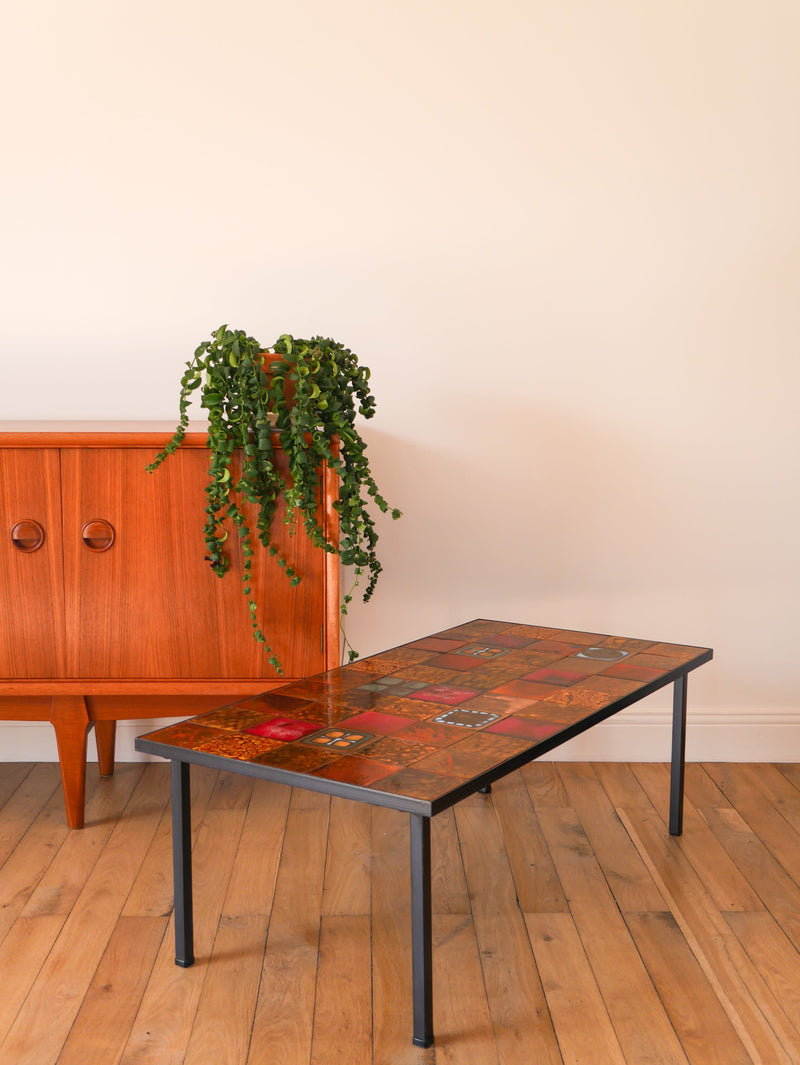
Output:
[[678, 756], [421, 938], [182, 863]]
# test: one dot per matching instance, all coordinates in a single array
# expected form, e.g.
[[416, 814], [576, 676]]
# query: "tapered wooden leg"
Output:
[[105, 734], [70, 719]]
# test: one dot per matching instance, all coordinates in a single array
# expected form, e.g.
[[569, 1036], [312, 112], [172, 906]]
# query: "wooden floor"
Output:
[[569, 927]]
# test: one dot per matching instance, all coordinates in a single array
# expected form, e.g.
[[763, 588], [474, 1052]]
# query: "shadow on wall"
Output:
[[521, 503]]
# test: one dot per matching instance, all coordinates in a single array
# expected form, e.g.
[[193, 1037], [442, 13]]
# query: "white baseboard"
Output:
[[635, 735]]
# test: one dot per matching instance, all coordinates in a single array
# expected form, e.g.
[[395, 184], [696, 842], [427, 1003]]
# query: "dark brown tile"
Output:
[[429, 674], [429, 732], [461, 765], [583, 698], [232, 718], [681, 652], [416, 784], [391, 661], [434, 643], [497, 704], [359, 771], [611, 685], [524, 728], [525, 689], [184, 734], [581, 638], [295, 759], [626, 671], [238, 745], [534, 632], [395, 751]]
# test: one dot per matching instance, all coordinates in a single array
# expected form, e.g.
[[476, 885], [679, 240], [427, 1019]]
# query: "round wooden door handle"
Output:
[[97, 535], [27, 535]]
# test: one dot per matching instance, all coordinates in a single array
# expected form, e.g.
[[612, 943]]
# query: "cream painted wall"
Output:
[[564, 235]]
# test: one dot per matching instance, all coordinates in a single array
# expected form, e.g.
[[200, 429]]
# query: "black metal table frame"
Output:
[[420, 828]]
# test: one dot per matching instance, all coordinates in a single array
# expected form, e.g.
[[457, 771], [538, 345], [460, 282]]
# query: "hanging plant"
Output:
[[308, 392]]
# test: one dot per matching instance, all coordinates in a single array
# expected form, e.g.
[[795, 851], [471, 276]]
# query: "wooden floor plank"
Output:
[[342, 1032], [255, 868], [516, 999], [106, 1014], [448, 887], [22, 806], [775, 957], [30, 859], [234, 966], [151, 894], [583, 1028], [756, 1015], [725, 883], [771, 807], [163, 1024], [22, 954], [284, 1014], [776, 890], [12, 775], [67, 874], [461, 1019], [43, 1023], [535, 878], [627, 876], [642, 1026], [703, 1026], [347, 869], [544, 785]]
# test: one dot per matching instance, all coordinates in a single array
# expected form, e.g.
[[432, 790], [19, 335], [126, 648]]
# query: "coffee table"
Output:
[[419, 728]]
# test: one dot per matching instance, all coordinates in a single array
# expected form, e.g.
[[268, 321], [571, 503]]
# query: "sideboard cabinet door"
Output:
[[141, 601], [31, 596]]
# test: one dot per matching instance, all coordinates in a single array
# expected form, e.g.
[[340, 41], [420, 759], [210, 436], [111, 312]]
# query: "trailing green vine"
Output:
[[308, 392]]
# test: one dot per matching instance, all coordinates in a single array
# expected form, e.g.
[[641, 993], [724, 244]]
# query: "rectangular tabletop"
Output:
[[419, 727]]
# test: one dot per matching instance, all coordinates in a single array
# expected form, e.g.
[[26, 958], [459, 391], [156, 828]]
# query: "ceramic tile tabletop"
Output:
[[424, 719]]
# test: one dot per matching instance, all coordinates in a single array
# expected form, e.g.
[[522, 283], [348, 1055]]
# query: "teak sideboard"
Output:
[[109, 610]]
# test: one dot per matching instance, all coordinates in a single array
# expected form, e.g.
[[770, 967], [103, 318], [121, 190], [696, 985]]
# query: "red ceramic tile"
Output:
[[284, 728], [378, 724], [561, 677]]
